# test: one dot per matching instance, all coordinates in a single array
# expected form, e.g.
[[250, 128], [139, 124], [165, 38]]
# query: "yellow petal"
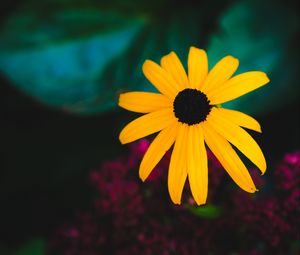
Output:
[[177, 170], [160, 145], [228, 158], [144, 102], [237, 86], [147, 124], [197, 164], [197, 67], [238, 137], [220, 73], [160, 79], [240, 119], [173, 66]]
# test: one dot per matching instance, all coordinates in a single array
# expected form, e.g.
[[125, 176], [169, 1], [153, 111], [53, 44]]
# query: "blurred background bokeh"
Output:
[[63, 64]]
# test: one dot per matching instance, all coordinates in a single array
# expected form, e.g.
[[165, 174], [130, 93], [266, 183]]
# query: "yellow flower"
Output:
[[187, 113]]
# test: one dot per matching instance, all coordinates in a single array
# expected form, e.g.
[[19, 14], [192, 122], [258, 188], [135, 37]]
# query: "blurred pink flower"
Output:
[[128, 218]]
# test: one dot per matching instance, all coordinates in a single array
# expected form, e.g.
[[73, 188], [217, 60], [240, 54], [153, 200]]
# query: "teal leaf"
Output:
[[78, 55], [262, 39], [61, 62], [79, 59]]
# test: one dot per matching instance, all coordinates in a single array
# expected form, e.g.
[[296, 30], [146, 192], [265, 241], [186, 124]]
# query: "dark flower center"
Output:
[[191, 106]]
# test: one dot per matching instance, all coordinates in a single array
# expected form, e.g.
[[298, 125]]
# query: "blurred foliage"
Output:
[[35, 246], [207, 211], [263, 36], [77, 55], [59, 55], [32, 247]]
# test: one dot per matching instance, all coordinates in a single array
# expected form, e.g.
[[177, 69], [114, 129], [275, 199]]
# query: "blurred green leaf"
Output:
[[59, 59], [79, 55], [261, 35], [207, 211], [32, 247]]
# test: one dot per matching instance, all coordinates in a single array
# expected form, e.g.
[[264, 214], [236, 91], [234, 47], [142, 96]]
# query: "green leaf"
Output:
[[33, 247], [207, 211], [262, 39], [60, 59], [78, 55]]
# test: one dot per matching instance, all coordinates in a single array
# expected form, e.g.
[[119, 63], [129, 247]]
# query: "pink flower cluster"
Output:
[[273, 216], [129, 217]]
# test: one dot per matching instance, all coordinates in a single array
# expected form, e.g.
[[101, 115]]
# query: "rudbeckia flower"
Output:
[[187, 113]]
